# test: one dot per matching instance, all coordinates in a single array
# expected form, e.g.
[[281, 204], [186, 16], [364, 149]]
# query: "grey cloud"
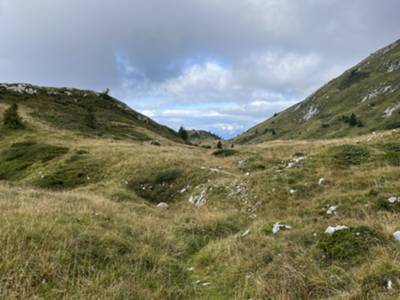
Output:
[[158, 54]]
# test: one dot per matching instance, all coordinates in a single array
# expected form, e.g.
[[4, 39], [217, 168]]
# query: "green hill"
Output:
[[202, 137], [91, 210], [86, 112], [370, 91]]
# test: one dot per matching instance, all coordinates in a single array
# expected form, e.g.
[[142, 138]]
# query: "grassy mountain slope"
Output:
[[74, 109], [202, 137], [370, 90], [80, 218]]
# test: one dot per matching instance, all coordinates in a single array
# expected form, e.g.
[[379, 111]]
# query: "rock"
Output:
[[333, 229], [292, 191], [277, 227], [295, 161], [393, 200], [191, 269], [247, 232], [331, 210], [321, 181], [389, 285], [162, 205], [199, 199], [396, 235]]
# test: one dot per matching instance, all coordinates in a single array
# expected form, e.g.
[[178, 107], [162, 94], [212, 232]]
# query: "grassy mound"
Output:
[[348, 155], [20, 157], [159, 187], [349, 245], [76, 171]]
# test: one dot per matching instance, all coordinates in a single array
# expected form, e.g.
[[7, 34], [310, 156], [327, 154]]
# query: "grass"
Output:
[[16, 161], [77, 223], [359, 91]]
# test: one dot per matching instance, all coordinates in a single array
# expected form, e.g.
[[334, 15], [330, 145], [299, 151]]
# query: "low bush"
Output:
[[224, 152], [348, 155], [349, 245]]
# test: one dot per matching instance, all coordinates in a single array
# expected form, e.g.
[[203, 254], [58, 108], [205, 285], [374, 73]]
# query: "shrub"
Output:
[[375, 284], [224, 152], [160, 187], [219, 145], [11, 119], [351, 78], [384, 204], [347, 155], [353, 120], [349, 244]]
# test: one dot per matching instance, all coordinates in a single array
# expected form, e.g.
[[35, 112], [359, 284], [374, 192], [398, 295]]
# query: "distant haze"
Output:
[[218, 65]]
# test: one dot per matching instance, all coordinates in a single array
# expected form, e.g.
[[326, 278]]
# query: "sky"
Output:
[[218, 65]]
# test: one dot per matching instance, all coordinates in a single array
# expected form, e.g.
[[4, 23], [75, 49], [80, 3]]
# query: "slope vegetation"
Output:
[[81, 218], [86, 112], [365, 98]]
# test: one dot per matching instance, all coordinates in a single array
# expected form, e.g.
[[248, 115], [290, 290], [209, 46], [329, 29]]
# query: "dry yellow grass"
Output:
[[103, 240]]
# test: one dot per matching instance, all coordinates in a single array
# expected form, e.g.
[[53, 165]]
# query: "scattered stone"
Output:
[[292, 191], [389, 285], [199, 199], [396, 235], [295, 161], [247, 232], [277, 227], [162, 205], [191, 269], [394, 66], [332, 229], [321, 181], [378, 91], [206, 284], [331, 210], [393, 200]]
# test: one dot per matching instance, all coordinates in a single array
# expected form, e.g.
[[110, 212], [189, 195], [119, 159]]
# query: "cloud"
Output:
[[204, 57]]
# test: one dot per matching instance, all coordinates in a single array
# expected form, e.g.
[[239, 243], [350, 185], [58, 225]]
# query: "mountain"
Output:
[[363, 99], [90, 210], [83, 111]]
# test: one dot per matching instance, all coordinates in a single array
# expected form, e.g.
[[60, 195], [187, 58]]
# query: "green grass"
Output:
[[15, 162], [74, 172], [349, 245], [360, 91]]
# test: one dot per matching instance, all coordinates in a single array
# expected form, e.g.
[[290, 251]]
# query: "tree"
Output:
[[105, 95], [354, 121], [183, 133], [219, 145], [11, 118]]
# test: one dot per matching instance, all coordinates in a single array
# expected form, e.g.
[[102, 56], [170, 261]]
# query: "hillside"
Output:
[[202, 137], [85, 112], [96, 218], [370, 91]]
